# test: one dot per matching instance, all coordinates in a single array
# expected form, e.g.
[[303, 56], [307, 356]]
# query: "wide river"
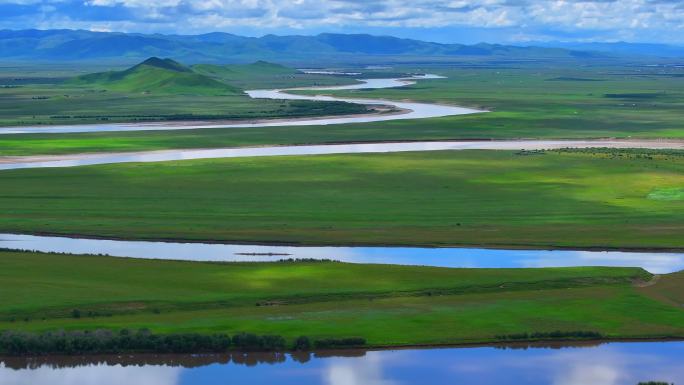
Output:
[[657, 263], [591, 364]]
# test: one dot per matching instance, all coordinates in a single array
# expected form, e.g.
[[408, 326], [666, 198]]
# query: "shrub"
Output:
[[333, 343], [143, 340], [655, 383], [247, 341], [552, 335], [273, 342], [105, 341], [302, 343]]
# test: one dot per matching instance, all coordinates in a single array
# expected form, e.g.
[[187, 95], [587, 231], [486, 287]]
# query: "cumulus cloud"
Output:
[[533, 19]]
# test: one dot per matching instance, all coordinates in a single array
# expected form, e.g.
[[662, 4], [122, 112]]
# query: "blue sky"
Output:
[[504, 21]]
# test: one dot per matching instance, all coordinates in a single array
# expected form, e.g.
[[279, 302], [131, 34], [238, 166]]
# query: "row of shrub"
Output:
[[107, 341], [580, 334], [655, 383], [337, 343]]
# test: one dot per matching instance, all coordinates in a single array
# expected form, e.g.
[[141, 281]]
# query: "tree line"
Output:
[[578, 334], [107, 341]]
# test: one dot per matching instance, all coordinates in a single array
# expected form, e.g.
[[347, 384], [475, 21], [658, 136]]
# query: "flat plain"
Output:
[[579, 199], [388, 305], [526, 101], [567, 198]]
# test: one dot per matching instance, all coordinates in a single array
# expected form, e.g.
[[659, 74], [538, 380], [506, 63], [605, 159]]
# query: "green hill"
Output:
[[263, 74], [236, 71], [159, 76]]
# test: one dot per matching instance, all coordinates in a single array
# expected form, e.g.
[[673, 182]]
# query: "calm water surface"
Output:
[[49, 161], [443, 257], [606, 364]]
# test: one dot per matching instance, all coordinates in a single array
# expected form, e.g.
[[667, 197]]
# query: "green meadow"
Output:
[[596, 198], [524, 102], [553, 102], [573, 199], [386, 304], [154, 90]]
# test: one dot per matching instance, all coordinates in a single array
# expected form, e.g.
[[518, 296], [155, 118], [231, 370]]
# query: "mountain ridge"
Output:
[[220, 47]]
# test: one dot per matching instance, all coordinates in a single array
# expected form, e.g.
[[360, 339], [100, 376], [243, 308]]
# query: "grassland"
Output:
[[388, 305], [265, 75], [670, 289], [155, 75], [149, 92], [553, 102], [575, 199], [525, 102]]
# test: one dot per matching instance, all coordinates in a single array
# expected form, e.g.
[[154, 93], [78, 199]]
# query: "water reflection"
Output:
[[175, 360], [658, 263], [92, 374], [605, 364], [368, 371]]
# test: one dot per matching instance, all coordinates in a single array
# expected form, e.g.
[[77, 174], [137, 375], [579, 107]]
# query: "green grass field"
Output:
[[589, 198], [152, 92], [527, 102], [156, 76], [628, 199], [387, 304], [552, 102]]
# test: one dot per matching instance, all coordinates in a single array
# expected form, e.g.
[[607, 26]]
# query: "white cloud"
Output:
[[617, 19]]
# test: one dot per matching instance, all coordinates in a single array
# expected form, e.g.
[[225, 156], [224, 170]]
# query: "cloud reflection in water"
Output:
[[607, 364], [92, 375], [444, 257]]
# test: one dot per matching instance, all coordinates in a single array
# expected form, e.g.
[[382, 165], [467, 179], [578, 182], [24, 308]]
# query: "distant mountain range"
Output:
[[621, 48], [67, 45]]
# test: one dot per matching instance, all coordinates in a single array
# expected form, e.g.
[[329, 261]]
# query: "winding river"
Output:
[[409, 110], [657, 263], [596, 364], [8, 163], [445, 257]]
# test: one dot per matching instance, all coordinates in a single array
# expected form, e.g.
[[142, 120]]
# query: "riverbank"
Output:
[[101, 343], [190, 360], [323, 300]]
